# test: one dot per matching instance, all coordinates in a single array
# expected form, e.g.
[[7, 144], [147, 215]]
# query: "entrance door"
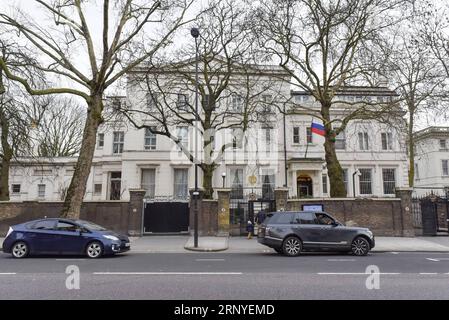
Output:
[[305, 186], [115, 185]]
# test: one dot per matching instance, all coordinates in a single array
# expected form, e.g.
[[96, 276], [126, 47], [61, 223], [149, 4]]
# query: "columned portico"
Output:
[[305, 176]]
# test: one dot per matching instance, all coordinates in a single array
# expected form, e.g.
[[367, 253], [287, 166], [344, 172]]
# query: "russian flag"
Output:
[[318, 129]]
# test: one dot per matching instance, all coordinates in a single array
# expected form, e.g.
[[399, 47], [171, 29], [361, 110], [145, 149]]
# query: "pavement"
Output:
[[178, 244], [228, 276]]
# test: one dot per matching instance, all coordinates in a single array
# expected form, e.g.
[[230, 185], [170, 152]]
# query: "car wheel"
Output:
[[20, 250], [94, 250], [279, 250], [292, 246], [360, 246]]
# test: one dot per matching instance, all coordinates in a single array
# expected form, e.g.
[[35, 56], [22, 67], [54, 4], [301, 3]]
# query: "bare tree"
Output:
[[232, 89], [60, 131], [319, 43], [132, 32]]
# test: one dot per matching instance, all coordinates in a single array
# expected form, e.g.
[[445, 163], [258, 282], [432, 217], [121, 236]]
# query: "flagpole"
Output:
[[307, 142]]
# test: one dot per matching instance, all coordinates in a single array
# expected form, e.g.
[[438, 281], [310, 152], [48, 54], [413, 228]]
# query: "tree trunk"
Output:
[[411, 151], [334, 170], [77, 188], [208, 173], [6, 159]]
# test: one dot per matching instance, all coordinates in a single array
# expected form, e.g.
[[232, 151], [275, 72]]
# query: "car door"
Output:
[[306, 227], [72, 239], [42, 238], [333, 235]]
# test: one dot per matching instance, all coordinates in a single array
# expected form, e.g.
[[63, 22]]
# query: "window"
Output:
[[148, 182], [150, 139], [387, 141], [151, 100], [237, 138], [43, 172], [363, 141], [324, 219], [296, 135], [268, 185], [365, 181], [116, 186], [416, 171], [183, 136], [41, 191], [118, 142], [15, 188], [281, 218], [389, 180], [345, 179], [267, 131], [182, 102], [303, 218], [44, 225], [98, 188], [181, 184], [324, 181], [445, 167], [309, 135], [65, 226], [236, 103], [340, 141], [100, 141], [442, 144], [267, 100], [236, 183]]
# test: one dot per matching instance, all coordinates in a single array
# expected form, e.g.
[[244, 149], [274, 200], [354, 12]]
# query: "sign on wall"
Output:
[[312, 207]]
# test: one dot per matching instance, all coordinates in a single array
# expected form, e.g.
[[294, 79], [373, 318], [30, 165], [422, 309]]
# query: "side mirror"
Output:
[[335, 224]]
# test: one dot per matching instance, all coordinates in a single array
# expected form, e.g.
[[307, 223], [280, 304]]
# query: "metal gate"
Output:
[[431, 211], [166, 217], [245, 205]]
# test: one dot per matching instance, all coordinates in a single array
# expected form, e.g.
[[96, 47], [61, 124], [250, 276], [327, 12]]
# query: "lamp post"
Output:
[[195, 34], [223, 175], [356, 173]]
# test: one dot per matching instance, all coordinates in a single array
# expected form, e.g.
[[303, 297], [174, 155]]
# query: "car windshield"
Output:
[[90, 226]]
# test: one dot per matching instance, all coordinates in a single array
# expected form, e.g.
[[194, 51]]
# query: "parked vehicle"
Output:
[[290, 233], [63, 237]]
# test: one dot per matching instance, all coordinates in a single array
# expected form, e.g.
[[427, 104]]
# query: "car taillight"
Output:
[[9, 232]]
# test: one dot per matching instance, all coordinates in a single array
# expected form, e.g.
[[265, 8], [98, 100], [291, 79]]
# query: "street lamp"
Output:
[[356, 173], [195, 34], [223, 175]]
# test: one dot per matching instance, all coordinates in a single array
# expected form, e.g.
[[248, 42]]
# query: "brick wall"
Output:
[[120, 216], [383, 216]]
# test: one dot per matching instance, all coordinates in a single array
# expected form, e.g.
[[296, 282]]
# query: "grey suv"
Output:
[[290, 233]]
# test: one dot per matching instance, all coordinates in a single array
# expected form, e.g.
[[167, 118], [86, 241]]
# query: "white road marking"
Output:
[[168, 273], [354, 273], [338, 260], [70, 259], [432, 259], [209, 259], [394, 252], [428, 273], [7, 273]]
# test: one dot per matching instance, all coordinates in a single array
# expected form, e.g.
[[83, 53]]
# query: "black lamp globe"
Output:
[[195, 32]]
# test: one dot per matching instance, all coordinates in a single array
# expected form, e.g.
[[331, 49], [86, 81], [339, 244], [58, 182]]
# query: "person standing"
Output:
[[250, 229]]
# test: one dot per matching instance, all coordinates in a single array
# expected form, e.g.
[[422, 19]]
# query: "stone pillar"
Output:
[[405, 194], [193, 197], [224, 197], [135, 217], [281, 197]]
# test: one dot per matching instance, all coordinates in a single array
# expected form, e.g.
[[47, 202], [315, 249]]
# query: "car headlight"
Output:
[[114, 238], [9, 232]]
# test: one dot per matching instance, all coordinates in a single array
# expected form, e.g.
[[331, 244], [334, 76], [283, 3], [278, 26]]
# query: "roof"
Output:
[[433, 131], [356, 90]]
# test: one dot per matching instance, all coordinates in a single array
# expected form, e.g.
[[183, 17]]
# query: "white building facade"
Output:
[[275, 152], [431, 160]]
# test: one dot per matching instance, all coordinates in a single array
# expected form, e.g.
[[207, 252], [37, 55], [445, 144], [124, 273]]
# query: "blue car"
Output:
[[63, 237]]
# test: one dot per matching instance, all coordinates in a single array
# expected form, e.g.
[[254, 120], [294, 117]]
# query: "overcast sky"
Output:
[[94, 14]]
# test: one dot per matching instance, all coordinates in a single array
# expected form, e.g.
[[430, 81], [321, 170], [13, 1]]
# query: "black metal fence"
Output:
[[245, 204], [430, 210]]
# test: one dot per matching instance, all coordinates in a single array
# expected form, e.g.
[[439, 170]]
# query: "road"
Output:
[[229, 276]]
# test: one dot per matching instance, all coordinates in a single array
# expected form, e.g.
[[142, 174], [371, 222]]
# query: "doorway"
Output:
[[305, 186]]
